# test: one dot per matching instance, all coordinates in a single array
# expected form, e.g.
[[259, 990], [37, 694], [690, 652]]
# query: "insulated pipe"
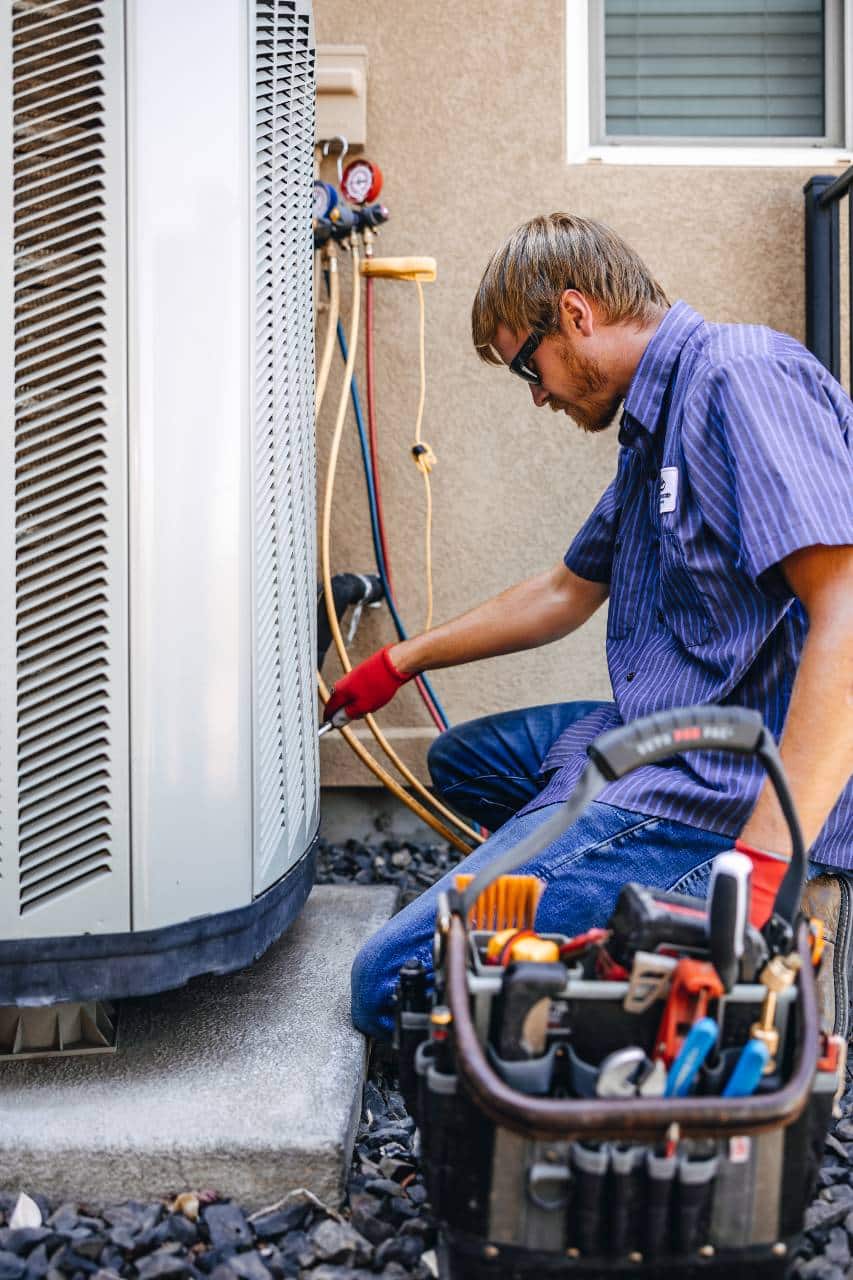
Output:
[[325, 543]]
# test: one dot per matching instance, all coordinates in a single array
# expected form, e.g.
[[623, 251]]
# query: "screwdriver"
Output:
[[728, 913], [338, 720]]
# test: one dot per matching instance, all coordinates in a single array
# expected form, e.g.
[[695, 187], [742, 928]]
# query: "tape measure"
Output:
[[361, 181], [325, 199]]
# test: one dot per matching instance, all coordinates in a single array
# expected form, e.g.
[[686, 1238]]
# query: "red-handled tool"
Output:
[[694, 984]]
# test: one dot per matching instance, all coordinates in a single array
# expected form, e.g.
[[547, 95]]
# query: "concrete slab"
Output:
[[250, 1083]]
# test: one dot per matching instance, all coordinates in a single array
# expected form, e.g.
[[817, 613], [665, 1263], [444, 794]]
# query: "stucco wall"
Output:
[[465, 117]]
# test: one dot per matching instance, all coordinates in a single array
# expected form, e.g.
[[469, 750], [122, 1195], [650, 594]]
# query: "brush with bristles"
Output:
[[509, 902]]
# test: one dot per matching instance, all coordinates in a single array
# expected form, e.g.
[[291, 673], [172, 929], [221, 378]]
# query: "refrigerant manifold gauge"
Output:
[[361, 181], [325, 199]]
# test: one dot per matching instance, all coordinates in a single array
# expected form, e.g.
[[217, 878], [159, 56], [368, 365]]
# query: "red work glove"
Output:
[[367, 687], [768, 871]]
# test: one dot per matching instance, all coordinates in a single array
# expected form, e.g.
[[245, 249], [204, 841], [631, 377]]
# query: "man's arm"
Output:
[[532, 613], [817, 744]]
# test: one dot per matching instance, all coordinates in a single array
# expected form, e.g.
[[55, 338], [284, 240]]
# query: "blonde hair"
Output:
[[522, 285]]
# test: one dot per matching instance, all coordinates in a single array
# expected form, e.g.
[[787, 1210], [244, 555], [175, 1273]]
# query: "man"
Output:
[[725, 546]]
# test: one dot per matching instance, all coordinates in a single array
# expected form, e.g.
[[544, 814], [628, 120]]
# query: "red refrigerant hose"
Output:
[[374, 462]]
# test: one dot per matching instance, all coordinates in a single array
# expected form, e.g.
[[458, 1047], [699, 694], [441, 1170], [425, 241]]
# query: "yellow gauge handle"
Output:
[[423, 269]]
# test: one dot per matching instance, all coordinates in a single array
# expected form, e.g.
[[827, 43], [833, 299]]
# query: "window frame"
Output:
[[585, 105]]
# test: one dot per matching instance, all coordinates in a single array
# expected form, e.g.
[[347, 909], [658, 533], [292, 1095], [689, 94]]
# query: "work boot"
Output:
[[828, 898]]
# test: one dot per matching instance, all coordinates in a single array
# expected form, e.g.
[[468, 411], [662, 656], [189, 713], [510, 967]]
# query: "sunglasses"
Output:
[[519, 364]]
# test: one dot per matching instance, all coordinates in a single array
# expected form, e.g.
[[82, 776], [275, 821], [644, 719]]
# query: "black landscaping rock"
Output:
[[280, 1221], [296, 1252], [825, 1215], [90, 1247], [22, 1240], [383, 1187], [37, 1263], [819, 1269], [226, 1224], [64, 1218], [11, 1266], [409, 866], [134, 1216], [326, 1272], [406, 1250], [340, 1242], [249, 1266], [182, 1229], [364, 1210], [837, 1248], [162, 1264], [123, 1238], [212, 1258]]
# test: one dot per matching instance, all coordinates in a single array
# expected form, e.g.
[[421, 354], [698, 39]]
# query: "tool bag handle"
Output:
[[637, 1119], [647, 741]]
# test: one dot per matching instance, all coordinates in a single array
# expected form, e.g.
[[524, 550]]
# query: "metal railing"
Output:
[[823, 267]]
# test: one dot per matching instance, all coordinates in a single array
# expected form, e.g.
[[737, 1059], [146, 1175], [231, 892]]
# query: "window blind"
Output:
[[715, 68]]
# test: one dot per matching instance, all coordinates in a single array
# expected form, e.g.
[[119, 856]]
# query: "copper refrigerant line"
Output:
[[418, 270], [361, 182]]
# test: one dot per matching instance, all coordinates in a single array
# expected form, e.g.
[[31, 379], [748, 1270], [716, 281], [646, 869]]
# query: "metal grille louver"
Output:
[[286, 765], [62, 357]]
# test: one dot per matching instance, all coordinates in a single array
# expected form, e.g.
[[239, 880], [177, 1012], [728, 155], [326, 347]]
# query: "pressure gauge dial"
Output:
[[325, 199], [361, 181]]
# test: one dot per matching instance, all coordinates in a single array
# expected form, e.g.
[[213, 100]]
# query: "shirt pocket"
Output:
[[683, 606]]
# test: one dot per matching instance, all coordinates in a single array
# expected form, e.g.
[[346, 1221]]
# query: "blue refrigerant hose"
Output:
[[374, 519]]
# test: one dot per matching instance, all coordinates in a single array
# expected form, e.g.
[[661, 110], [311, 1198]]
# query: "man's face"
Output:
[[573, 380]]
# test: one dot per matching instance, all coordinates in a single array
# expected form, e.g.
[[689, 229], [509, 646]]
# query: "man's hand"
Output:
[[367, 687], [817, 745]]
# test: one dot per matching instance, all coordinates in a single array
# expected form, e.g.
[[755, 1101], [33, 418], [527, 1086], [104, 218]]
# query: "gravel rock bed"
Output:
[[386, 1229], [411, 867]]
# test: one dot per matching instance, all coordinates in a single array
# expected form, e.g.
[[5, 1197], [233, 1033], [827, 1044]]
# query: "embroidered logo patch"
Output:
[[668, 489]]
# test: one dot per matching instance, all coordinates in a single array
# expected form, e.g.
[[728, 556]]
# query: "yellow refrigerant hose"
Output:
[[325, 542]]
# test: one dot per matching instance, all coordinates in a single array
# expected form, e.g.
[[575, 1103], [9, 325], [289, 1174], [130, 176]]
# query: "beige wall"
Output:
[[465, 117]]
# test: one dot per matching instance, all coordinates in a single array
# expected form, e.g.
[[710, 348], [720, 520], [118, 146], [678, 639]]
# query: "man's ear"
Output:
[[577, 318]]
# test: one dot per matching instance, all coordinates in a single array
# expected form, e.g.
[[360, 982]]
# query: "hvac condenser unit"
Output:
[[158, 729]]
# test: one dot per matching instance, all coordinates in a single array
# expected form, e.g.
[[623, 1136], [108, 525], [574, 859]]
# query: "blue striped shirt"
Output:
[[736, 452]]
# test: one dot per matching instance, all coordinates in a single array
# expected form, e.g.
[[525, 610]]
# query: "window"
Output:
[[705, 78]]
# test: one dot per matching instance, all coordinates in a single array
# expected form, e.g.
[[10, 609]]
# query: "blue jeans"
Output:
[[487, 769]]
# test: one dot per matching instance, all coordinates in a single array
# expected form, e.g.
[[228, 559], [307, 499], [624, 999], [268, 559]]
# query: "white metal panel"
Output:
[[286, 775], [190, 532], [62, 473], [8, 691]]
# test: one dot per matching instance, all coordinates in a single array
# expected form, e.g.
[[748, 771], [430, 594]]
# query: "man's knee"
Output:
[[367, 1011], [374, 977], [440, 757]]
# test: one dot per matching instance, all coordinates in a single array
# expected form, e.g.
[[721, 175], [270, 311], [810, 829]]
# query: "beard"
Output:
[[595, 405]]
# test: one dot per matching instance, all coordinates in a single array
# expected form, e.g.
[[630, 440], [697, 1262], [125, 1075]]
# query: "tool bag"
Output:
[[533, 1167]]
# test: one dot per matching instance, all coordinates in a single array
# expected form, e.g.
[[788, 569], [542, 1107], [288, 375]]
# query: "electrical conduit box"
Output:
[[342, 93], [159, 781]]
